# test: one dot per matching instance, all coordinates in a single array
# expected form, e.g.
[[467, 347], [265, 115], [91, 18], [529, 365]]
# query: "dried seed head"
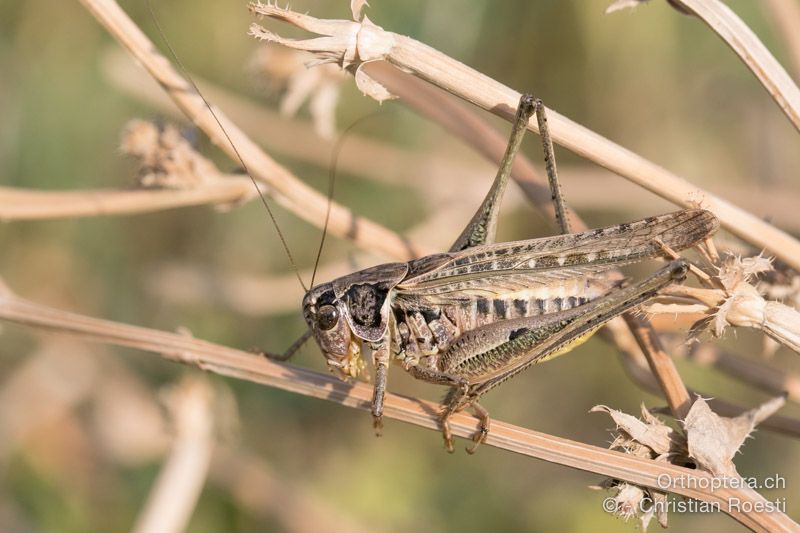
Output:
[[744, 306], [629, 500], [349, 44], [167, 160], [633, 501]]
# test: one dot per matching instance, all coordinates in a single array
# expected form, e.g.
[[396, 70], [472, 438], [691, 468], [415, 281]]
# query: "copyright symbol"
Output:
[[609, 505]]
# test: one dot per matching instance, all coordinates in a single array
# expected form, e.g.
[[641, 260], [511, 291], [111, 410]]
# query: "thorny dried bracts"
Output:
[[733, 299], [707, 441]]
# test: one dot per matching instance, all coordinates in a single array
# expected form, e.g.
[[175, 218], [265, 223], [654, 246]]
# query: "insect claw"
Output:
[[483, 428], [479, 438]]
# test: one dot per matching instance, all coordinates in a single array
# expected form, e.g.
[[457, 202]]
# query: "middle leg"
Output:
[[560, 206], [380, 359], [483, 226]]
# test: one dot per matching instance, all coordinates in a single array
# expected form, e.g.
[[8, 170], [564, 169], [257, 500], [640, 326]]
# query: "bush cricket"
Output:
[[483, 312]]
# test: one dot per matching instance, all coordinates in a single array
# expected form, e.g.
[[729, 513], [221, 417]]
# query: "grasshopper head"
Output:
[[326, 317], [346, 312]]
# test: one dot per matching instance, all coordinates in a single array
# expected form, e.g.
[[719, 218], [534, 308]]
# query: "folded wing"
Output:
[[496, 269]]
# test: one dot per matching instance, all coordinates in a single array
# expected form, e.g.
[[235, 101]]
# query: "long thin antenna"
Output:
[[189, 78], [337, 148]]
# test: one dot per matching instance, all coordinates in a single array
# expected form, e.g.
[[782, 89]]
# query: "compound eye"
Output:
[[327, 317]]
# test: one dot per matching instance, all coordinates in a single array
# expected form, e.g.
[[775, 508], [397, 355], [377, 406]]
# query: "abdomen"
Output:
[[422, 331]]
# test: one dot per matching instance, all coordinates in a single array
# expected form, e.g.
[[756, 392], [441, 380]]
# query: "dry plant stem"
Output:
[[661, 365], [173, 498], [785, 15], [26, 204], [748, 309], [242, 365], [751, 51], [285, 188], [456, 78], [426, 99]]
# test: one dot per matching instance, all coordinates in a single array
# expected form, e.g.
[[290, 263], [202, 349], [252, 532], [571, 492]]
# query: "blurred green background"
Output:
[[83, 428]]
